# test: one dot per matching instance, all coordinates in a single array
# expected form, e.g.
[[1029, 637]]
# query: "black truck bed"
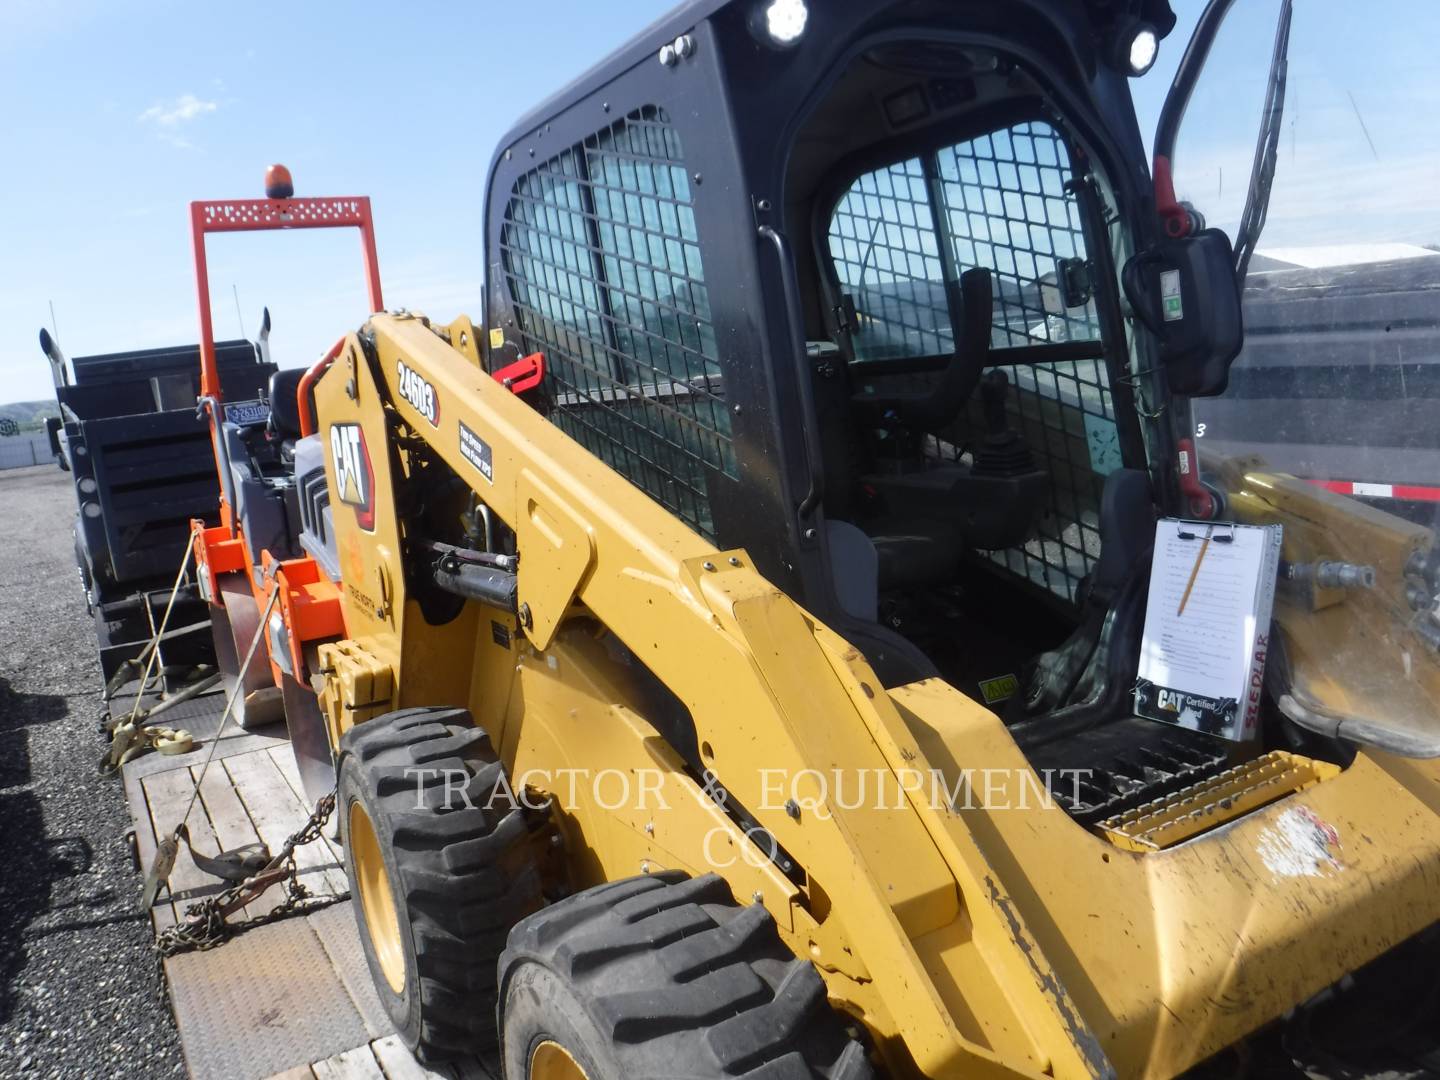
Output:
[[143, 468]]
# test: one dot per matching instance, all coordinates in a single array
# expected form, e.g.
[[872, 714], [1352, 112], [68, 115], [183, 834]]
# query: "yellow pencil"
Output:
[[1195, 570]]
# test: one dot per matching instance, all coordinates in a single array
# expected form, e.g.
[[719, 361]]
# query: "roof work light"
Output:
[[779, 23]]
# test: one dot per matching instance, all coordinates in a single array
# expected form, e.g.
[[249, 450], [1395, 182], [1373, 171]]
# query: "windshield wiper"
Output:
[[1262, 172]]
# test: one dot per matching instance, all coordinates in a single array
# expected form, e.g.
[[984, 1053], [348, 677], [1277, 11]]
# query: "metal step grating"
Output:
[[1196, 809]]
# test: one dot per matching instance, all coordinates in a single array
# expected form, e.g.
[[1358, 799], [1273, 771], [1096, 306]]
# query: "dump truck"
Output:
[[692, 642], [139, 456], [1319, 340]]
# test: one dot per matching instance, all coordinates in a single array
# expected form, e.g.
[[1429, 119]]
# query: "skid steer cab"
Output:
[[726, 655]]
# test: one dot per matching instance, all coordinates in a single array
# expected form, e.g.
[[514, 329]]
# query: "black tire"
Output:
[[82, 564], [460, 876], [664, 976]]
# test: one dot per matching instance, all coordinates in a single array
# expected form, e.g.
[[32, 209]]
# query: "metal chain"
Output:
[[206, 924]]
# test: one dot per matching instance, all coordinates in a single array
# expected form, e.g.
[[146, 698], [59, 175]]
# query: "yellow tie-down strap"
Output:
[[1201, 807]]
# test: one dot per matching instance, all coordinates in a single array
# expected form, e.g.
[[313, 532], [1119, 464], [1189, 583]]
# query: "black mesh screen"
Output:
[[1006, 208], [1064, 412], [603, 264], [1000, 202], [885, 252]]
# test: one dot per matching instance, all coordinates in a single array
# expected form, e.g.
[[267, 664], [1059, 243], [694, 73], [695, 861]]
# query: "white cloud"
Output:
[[169, 114]]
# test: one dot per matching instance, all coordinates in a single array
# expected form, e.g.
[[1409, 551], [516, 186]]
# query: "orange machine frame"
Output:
[[309, 603]]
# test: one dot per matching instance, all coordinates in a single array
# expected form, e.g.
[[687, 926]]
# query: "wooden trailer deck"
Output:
[[290, 999]]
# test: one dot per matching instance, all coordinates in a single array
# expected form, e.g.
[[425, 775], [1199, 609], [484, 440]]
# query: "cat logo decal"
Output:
[[354, 479]]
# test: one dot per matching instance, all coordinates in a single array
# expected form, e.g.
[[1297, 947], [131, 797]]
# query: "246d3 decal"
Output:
[[416, 389]]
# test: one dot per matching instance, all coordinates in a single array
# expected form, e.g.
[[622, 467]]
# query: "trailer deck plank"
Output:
[[356, 1064], [169, 794], [232, 825], [292, 1000], [399, 1064], [278, 813], [144, 830], [285, 762]]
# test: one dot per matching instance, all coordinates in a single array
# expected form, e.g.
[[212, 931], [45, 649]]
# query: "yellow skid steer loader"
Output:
[[728, 650]]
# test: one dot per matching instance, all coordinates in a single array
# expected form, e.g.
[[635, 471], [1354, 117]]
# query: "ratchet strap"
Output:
[[128, 742]]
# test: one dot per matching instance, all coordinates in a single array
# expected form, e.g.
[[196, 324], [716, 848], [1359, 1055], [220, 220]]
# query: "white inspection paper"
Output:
[[1200, 648]]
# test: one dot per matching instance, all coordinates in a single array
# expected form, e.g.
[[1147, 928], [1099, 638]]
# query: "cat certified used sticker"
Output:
[[416, 389], [476, 450]]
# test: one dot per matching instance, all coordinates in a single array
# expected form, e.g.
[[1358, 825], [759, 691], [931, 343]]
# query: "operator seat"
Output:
[[933, 408], [912, 549], [284, 406], [261, 466], [927, 513]]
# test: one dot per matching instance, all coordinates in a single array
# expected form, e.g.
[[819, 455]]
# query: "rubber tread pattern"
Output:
[[672, 970], [457, 864]]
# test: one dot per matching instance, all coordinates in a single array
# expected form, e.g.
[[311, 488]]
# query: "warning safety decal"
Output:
[[476, 451]]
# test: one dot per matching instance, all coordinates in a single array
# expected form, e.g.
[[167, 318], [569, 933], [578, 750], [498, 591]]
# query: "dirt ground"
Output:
[[80, 991]]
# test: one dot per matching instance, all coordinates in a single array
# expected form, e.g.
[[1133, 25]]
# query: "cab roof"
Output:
[[644, 45]]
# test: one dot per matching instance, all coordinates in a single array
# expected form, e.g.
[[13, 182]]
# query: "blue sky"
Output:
[[118, 113], [1359, 159]]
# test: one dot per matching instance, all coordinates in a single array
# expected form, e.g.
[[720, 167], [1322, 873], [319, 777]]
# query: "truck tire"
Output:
[[435, 887], [662, 976], [87, 579]]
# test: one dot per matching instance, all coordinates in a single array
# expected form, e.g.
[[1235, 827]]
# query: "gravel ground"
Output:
[[80, 992]]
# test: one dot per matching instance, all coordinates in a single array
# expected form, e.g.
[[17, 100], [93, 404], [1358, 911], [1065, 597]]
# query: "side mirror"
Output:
[[1185, 291]]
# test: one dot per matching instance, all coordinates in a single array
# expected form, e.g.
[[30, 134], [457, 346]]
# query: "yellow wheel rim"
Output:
[[551, 1061], [377, 902]]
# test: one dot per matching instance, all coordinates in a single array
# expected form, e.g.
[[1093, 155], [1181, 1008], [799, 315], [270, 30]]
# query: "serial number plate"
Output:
[[245, 413]]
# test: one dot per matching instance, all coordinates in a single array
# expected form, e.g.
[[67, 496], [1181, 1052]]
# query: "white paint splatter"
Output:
[[1300, 844]]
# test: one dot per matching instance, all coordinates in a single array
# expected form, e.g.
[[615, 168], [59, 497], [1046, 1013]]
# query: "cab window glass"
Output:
[[899, 240], [1005, 207], [887, 258], [900, 237], [1339, 378], [1327, 425], [602, 259]]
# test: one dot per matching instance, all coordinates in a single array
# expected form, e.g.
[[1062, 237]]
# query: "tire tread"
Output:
[[670, 968], [463, 887]]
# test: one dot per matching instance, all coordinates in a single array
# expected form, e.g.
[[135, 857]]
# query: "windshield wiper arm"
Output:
[[1262, 172]]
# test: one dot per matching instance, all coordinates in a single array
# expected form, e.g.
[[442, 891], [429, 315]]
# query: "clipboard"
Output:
[[1207, 625]]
